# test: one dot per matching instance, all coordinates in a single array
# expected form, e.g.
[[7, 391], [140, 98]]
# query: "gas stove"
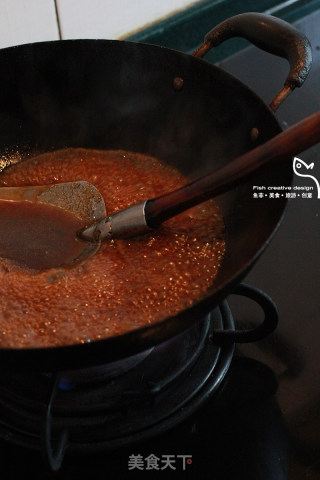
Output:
[[144, 412]]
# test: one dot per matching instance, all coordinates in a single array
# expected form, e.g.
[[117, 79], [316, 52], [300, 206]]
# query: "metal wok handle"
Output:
[[272, 35], [270, 321]]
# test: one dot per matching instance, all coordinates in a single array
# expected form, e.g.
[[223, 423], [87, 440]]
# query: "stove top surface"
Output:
[[289, 270]]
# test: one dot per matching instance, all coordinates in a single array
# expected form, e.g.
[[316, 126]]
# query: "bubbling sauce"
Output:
[[127, 284]]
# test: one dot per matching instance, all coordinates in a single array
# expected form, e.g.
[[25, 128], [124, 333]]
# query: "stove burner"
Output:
[[92, 410]]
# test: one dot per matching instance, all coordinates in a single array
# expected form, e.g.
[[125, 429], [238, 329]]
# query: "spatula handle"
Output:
[[283, 146], [139, 218]]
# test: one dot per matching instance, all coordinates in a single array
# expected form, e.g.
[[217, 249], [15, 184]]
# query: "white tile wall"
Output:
[[112, 19], [24, 21]]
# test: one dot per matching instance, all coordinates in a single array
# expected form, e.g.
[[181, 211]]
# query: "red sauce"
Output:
[[127, 284]]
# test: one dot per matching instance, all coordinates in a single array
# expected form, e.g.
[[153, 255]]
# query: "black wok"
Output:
[[179, 108]]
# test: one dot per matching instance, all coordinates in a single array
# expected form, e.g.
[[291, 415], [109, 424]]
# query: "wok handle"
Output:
[[272, 35], [270, 321]]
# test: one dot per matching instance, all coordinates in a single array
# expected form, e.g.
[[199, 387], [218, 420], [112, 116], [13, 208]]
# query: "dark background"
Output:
[[289, 270]]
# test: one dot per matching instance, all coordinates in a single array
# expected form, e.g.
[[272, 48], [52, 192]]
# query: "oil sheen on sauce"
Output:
[[127, 284]]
